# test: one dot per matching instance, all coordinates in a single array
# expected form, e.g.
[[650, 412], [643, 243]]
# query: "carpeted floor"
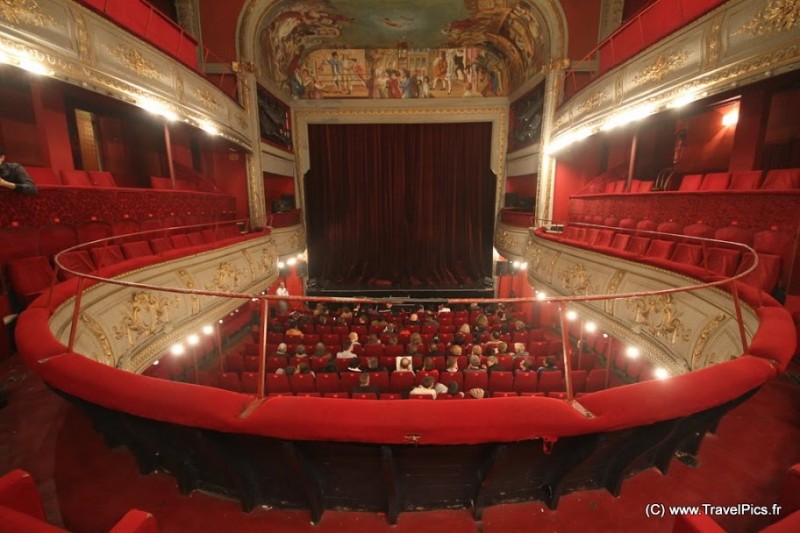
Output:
[[86, 487]]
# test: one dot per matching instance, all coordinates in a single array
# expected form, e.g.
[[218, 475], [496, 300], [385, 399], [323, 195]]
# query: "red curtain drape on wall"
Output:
[[400, 204]]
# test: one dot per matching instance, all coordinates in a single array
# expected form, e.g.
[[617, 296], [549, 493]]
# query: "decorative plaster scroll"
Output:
[[188, 282], [102, 338], [25, 12], [226, 279], [710, 328], [613, 286], [592, 102], [134, 60], [207, 98], [660, 316], [663, 65], [144, 314], [778, 16], [577, 281]]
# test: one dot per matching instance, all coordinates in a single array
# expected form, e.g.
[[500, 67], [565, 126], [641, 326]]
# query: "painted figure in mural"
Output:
[[311, 88], [336, 69], [357, 70], [296, 85], [451, 70], [393, 85], [440, 70], [347, 71], [406, 85], [425, 88]]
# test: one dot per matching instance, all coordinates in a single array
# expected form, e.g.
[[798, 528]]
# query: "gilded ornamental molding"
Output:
[[128, 327], [741, 41], [680, 331], [25, 12]]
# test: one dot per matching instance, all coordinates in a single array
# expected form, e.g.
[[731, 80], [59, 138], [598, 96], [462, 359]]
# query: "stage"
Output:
[[483, 289]]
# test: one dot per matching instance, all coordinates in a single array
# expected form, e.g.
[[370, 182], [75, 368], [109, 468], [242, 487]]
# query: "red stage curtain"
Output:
[[400, 204]]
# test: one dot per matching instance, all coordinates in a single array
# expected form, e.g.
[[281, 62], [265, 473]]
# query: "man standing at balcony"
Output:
[[13, 177]]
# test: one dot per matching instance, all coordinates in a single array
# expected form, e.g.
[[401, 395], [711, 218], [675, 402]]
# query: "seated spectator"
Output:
[[354, 338], [452, 364], [549, 366], [425, 387], [415, 340], [300, 351], [526, 365], [413, 318], [453, 391], [519, 350], [492, 365], [444, 309], [390, 329], [459, 339], [373, 365], [304, 368], [429, 367], [373, 339], [433, 350], [364, 387], [482, 322], [477, 393], [347, 352], [477, 350], [455, 350], [404, 365], [346, 315], [502, 348], [474, 364], [281, 350], [490, 351], [293, 331], [289, 371], [464, 329], [392, 340], [320, 350], [330, 365]]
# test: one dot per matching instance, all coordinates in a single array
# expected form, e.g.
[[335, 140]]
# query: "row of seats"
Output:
[[776, 179], [716, 259], [403, 382], [101, 178], [30, 276], [71, 178]]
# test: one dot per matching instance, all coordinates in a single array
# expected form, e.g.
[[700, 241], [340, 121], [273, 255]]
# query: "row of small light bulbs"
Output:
[[293, 260], [622, 118], [632, 352], [24, 61]]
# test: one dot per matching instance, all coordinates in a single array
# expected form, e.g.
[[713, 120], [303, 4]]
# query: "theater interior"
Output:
[[427, 265]]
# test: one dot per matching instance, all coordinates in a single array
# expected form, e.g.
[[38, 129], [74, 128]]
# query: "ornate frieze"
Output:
[[135, 61], [777, 16], [658, 69], [679, 331], [511, 241], [25, 12], [128, 327]]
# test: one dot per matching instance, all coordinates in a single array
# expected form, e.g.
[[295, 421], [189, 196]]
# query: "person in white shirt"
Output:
[[346, 353], [444, 309], [424, 388], [283, 305]]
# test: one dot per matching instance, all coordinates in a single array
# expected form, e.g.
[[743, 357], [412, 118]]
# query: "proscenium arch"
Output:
[[247, 47]]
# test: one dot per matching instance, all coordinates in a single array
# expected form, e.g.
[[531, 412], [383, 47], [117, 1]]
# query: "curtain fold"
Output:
[[400, 204]]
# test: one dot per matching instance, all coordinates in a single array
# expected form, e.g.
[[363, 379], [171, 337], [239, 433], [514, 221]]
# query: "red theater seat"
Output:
[[277, 384], [620, 241], [638, 245], [234, 362], [196, 238], [699, 229], [526, 382], [104, 256], [551, 381], [401, 382], [734, 233], [501, 381], [161, 245], [157, 182], [327, 382], [766, 274], [691, 182], [445, 378], [180, 241], [380, 380], [100, 178], [132, 250], [723, 261], [250, 382], [302, 383], [56, 237], [689, 254], [93, 231], [230, 381], [30, 277], [77, 260], [596, 380], [784, 178], [745, 181], [578, 381], [660, 249], [715, 181], [474, 380], [76, 178], [43, 176]]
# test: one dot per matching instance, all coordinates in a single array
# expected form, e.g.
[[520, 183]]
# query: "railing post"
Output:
[[565, 341], [262, 360], [75, 314]]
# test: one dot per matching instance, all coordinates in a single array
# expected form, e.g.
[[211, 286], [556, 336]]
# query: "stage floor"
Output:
[[478, 290]]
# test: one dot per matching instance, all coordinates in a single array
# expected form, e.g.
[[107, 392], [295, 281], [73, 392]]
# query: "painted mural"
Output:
[[399, 73], [525, 126], [431, 48]]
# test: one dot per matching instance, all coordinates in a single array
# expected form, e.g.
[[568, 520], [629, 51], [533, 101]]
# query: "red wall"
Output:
[[276, 185], [230, 170], [522, 185], [582, 20], [218, 20], [708, 143]]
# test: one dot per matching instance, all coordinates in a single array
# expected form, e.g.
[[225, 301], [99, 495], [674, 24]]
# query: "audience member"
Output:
[[549, 366], [477, 393], [304, 368], [452, 364], [373, 365], [492, 365], [300, 351], [404, 365], [453, 391], [281, 350], [14, 177], [424, 388], [347, 352], [474, 364], [364, 387]]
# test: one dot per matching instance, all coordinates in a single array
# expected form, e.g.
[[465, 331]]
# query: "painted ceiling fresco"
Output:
[[489, 47]]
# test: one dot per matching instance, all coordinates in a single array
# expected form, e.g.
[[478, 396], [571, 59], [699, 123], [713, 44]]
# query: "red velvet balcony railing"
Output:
[[286, 218], [649, 26], [519, 219]]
